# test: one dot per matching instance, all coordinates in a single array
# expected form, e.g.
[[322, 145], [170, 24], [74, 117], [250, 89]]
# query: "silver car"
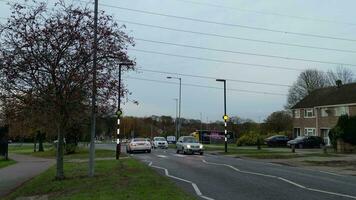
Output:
[[139, 145], [188, 144]]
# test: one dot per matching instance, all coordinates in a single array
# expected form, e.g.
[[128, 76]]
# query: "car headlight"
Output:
[[188, 146], [201, 146]]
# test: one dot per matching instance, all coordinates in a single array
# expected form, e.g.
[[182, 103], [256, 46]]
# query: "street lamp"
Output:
[[176, 123], [180, 102], [119, 111], [94, 91], [225, 117]]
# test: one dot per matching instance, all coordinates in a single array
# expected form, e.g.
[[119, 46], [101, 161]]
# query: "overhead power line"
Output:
[[244, 53], [267, 13], [230, 24], [204, 86], [212, 78], [216, 60], [237, 38]]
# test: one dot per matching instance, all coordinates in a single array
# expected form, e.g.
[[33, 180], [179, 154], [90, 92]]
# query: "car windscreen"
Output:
[[139, 140], [159, 139], [190, 140]]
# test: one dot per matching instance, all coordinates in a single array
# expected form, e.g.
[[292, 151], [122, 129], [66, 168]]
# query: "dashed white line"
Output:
[[282, 179], [161, 156], [195, 186]]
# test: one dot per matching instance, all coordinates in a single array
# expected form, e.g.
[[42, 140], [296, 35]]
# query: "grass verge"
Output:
[[126, 179], [81, 153], [5, 163]]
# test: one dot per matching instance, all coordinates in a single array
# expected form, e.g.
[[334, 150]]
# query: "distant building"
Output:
[[319, 112]]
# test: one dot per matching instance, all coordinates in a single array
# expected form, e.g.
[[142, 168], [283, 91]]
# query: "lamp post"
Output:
[[119, 112], [176, 122], [180, 102], [94, 90], [225, 117]]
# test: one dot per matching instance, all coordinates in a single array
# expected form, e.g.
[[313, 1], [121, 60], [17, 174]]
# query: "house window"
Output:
[[342, 110], [324, 112], [296, 113], [309, 132], [309, 113]]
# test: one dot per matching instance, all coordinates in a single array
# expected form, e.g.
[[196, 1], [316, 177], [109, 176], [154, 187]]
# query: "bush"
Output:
[[345, 129], [250, 139]]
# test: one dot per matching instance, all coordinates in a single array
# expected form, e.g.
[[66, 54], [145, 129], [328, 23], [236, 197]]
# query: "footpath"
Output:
[[26, 168]]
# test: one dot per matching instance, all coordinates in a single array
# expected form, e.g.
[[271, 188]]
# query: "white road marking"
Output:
[[195, 187], [331, 173], [161, 156], [179, 155], [282, 179]]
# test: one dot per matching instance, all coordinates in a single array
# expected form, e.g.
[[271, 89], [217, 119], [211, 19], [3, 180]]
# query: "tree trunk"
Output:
[[59, 154], [40, 142], [35, 144]]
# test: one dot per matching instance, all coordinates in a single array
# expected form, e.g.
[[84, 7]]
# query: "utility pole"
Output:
[[93, 98], [176, 122], [180, 102], [201, 121], [119, 112], [225, 117]]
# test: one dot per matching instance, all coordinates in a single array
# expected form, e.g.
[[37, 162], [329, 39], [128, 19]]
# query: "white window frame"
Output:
[[307, 133], [300, 131], [309, 110], [296, 113], [338, 111]]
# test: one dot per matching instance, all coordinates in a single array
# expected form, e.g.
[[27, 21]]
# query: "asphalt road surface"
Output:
[[221, 177]]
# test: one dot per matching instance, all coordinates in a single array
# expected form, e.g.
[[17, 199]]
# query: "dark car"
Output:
[[307, 142], [277, 140]]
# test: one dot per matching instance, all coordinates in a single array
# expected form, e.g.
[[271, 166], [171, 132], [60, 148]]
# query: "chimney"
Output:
[[338, 83]]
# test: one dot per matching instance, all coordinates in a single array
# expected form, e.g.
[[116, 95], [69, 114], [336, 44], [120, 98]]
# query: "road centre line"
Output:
[[282, 179], [195, 186]]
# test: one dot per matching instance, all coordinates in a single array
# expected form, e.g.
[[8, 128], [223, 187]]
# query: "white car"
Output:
[[188, 144], [160, 142], [138, 145]]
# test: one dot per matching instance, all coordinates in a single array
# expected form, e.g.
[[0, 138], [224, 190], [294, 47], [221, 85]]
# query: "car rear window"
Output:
[[139, 140]]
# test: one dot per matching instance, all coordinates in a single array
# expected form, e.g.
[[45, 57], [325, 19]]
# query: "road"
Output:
[[222, 177]]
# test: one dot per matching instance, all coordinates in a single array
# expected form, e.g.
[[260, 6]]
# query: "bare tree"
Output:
[[345, 75], [46, 59], [307, 81]]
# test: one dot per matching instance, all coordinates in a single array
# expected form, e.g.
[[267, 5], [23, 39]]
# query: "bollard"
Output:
[[293, 148]]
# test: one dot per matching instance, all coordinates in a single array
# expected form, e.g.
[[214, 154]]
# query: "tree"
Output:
[[280, 121], [307, 81], [345, 75], [46, 59]]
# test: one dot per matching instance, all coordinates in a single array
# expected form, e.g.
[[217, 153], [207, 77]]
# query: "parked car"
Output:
[[139, 145], [188, 144], [171, 139], [277, 140], [160, 142], [306, 142]]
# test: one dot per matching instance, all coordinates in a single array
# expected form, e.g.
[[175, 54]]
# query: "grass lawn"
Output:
[[126, 179], [81, 153], [5, 163]]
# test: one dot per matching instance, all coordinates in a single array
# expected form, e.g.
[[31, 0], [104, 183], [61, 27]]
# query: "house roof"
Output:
[[345, 94]]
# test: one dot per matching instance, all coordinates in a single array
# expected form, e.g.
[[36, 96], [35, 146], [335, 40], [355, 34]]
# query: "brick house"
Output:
[[318, 112]]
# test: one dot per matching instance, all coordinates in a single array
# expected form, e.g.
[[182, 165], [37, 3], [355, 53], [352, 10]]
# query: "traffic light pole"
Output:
[[225, 117], [119, 113]]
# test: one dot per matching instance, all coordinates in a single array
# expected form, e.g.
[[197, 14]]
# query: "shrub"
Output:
[[345, 129], [250, 139]]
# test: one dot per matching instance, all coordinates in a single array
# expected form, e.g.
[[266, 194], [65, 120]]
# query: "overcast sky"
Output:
[[332, 18]]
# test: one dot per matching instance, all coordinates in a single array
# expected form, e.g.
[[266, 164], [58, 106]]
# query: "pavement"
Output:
[[26, 168], [215, 177]]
